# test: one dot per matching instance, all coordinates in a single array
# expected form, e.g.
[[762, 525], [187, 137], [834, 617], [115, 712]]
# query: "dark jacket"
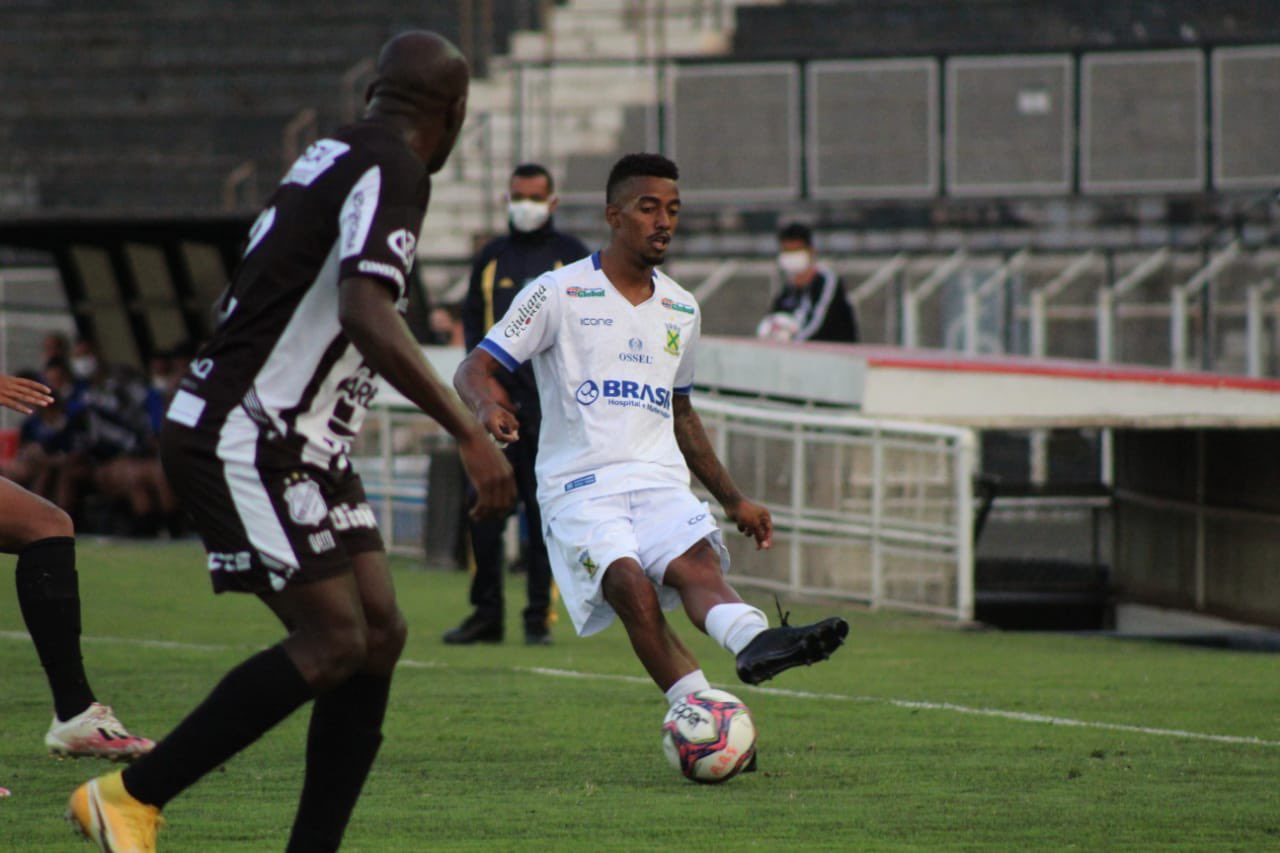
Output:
[[822, 307], [504, 266]]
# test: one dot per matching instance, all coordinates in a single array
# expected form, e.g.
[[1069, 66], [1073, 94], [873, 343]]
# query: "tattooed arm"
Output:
[[752, 518]]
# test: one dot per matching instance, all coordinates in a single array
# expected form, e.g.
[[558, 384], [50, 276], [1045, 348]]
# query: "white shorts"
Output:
[[652, 526]]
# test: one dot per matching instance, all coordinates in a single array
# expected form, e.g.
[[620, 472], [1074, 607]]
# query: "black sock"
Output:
[[49, 597], [342, 742], [248, 702]]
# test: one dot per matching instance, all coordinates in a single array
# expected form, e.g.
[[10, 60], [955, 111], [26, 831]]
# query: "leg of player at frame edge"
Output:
[[327, 638], [43, 538]]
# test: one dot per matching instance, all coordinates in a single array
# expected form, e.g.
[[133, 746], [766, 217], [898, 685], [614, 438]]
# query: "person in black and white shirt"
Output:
[[812, 305], [256, 442]]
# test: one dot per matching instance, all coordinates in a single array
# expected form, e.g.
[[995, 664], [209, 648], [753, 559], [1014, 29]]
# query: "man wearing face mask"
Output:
[[812, 296], [504, 266]]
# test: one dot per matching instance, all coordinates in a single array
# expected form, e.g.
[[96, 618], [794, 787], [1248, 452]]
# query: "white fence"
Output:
[[870, 511], [879, 512]]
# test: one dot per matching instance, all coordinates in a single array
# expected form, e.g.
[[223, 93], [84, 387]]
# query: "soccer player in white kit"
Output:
[[612, 340]]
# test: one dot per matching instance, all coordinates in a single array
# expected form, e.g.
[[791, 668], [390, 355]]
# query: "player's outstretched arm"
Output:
[[752, 518], [21, 394], [370, 320], [476, 382]]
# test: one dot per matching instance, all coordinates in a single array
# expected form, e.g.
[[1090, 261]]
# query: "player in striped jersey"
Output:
[[256, 443]]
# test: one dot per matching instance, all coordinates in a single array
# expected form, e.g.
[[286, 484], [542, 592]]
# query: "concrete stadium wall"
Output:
[[1197, 517]]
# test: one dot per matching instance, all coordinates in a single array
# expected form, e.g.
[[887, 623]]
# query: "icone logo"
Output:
[[596, 321]]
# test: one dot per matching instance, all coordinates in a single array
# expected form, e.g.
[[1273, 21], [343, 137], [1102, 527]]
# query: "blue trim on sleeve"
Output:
[[499, 353], [684, 390]]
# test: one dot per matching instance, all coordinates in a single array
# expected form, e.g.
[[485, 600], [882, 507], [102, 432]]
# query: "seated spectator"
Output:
[[84, 360], [113, 451], [44, 439], [812, 305]]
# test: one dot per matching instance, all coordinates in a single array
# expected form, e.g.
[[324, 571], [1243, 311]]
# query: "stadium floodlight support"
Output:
[[875, 282], [239, 187], [974, 294], [715, 280], [1255, 320], [351, 88], [299, 133], [1180, 294], [1109, 296], [1040, 298], [912, 297]]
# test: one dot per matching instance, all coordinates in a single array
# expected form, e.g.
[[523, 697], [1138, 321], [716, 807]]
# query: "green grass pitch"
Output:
[[915, 736]]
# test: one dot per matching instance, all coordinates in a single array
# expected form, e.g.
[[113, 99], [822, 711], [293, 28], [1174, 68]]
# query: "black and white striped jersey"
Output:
[[279, 377]]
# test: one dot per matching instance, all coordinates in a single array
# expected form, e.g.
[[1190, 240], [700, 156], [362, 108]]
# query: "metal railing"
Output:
[[865, 510], [874, 511]]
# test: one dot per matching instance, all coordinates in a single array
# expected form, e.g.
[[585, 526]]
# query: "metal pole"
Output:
[[965, 464], [1178, 329], [1106, 325], [877, 518], [970, 317], [797, 501]]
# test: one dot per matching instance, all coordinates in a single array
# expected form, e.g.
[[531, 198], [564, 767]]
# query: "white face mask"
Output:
[[527, 215], [794, 262], [84, 366]]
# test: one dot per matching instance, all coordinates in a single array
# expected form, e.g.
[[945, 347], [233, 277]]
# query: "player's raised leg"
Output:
[[715, 608]]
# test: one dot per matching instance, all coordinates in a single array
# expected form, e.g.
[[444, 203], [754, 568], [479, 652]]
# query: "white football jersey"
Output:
[[606, 372]]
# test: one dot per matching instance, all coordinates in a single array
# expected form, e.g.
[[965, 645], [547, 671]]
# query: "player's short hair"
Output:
[[796, 231], [638, 166], [534, 170]]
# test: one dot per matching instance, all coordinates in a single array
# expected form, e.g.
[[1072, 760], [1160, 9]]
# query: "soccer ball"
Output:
[[709, 736], [779, 326]]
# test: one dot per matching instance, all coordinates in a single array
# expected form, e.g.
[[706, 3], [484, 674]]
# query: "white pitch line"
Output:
[[1019, 716], [911, 704]]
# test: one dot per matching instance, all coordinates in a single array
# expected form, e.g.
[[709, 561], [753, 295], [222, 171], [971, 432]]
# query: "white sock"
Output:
[[735, 625], [691, 683]]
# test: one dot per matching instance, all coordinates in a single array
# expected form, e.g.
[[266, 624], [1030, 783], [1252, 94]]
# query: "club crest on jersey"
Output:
[[403, 243], [589, 565], [302, 496], [673, 339], [677, 306]]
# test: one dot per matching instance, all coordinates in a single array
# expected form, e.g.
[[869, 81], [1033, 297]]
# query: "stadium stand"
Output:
[[846, 28], [1050, 178]]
